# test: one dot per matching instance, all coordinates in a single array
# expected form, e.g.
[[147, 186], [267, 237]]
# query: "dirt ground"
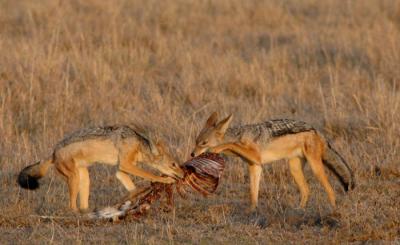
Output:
[[65, 65]]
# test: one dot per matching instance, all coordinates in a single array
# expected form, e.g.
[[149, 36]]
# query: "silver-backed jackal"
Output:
[[122, 145], [273, 140]]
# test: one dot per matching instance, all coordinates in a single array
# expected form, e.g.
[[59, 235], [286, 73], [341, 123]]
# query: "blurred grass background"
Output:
[[65, 65]]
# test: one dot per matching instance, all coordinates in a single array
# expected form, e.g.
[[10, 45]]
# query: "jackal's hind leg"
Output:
[[68, 170], [296, 169], [255, 178], [84, 185], [73, 185], [315, 160]]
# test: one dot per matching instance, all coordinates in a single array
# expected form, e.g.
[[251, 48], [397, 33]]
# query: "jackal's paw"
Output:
[[300, 207], [215, 149], [251, 210], [167, 180], [84, 211], [257, 219], [167, 208]]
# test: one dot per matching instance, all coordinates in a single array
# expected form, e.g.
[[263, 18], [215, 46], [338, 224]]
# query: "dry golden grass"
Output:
[[65, 65]]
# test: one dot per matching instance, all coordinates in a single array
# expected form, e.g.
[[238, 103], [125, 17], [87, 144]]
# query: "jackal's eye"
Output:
[[204, 143]]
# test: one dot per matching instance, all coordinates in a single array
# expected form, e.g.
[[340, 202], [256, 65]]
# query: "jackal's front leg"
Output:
[[131, 169], [128, 165], [248, 152]]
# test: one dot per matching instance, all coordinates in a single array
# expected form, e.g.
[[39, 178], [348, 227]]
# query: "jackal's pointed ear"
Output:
[[223, 125], [212, 120], [154, 148]]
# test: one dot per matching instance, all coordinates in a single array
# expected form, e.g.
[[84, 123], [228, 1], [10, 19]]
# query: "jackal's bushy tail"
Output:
[[339, 167], [28, 177]]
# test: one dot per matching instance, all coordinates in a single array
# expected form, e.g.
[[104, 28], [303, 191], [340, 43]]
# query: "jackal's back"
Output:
[[266, 131], [114, 132]]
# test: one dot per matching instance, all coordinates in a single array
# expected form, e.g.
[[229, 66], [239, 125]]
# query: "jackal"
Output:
[[120, 144], [273, 140]]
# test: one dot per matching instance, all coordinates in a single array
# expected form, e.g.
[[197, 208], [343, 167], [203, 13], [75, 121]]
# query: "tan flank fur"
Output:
[[124, 146], [273, 140]]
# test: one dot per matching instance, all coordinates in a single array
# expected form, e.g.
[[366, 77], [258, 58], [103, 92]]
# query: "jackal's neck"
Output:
[[145, 154], [232, 134]]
